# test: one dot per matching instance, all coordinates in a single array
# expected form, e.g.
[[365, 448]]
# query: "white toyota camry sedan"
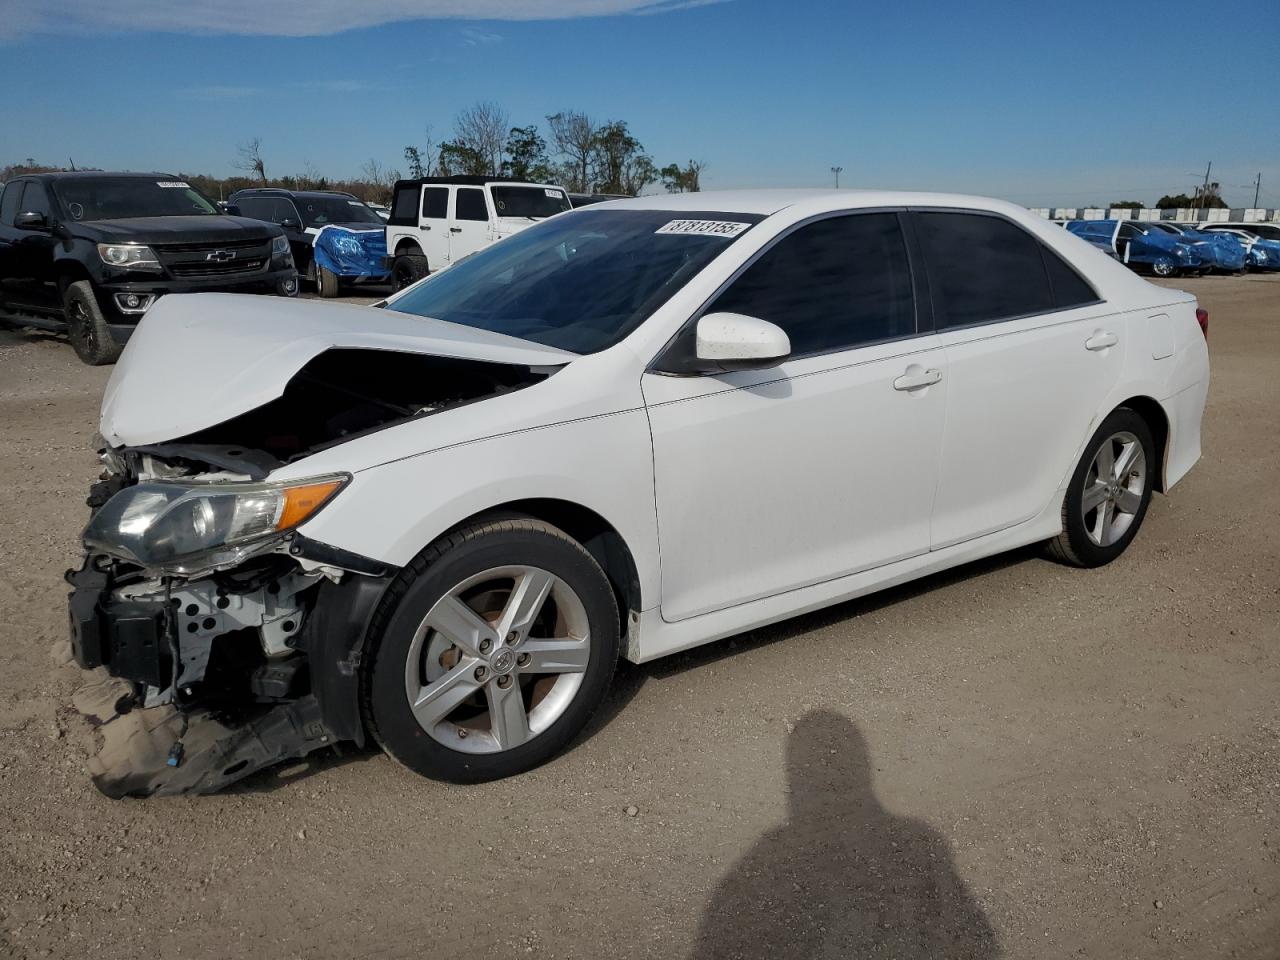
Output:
[[629, 430]]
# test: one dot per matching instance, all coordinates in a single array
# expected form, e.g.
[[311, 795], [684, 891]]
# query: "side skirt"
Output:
[[654, 637]]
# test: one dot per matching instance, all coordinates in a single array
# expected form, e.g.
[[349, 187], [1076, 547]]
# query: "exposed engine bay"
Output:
[[339, 395], [224, 661]]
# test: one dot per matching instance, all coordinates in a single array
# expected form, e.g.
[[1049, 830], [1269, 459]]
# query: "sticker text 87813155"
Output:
[[704, 228]]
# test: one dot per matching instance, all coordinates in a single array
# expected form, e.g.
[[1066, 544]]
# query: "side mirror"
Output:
[[734, 341], [31, 221], [290, 224], [232, 210]]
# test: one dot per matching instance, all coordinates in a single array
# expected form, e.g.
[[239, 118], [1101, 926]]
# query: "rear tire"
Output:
[[326, 282], [1108, 494], [408, 269], [86, 326], [449, 637]]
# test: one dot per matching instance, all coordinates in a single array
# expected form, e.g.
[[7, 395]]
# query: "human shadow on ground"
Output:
[[842, 877]]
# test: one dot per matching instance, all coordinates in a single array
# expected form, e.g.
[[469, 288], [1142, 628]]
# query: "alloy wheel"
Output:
[[497, 659], [1114, 487]]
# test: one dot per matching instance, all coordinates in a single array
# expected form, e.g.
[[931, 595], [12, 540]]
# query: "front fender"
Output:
[[604, 463]]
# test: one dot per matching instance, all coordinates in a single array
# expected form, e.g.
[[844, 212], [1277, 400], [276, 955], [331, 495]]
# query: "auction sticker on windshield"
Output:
[[179, 184], [708, 228]]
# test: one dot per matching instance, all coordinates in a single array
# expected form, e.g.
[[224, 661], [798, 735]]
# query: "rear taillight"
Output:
[[1202, 318]]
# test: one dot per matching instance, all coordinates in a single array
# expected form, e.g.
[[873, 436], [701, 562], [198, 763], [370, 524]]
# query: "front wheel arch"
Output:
[[597, 536]]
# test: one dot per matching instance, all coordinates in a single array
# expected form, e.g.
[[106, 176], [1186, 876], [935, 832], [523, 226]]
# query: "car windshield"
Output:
[[580, 282], [318, 211], [116, 198], [532, 202]]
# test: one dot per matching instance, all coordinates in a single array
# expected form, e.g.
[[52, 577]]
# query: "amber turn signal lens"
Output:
[[301, 502]]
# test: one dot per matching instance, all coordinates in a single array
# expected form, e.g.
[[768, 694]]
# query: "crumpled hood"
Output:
[[197, 360]]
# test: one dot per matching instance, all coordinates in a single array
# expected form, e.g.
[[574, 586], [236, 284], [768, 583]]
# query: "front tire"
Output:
[[1164, 267], [1109, 492], [491, 651], [326, 282], [86, 326]]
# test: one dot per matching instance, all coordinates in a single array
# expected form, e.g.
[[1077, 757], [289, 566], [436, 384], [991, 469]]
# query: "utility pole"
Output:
[[1204, 194], [837, 171], [1257, 188]]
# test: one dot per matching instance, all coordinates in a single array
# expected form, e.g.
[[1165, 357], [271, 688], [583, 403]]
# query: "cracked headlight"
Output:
[[184, 527]]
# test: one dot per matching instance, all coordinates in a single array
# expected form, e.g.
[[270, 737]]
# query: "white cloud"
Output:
[[293, 18]]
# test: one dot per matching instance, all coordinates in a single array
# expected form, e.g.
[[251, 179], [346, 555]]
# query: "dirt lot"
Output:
[[1014, 759]]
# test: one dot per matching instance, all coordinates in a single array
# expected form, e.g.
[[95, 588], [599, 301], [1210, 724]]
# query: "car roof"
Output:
[[284, 192], [771, 201], [471, 181], [96, 174]]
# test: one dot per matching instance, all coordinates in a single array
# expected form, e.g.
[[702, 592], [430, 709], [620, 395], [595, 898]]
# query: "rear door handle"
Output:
[[1100, 341], [914, 381], [425, 226], [455, 229]]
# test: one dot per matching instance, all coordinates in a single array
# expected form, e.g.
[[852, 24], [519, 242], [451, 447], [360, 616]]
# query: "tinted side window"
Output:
[[1069, 288], [981, 269], [831, 285], [35, 199], [471, 204], [255, 208], [9, 201], [435, 201], [404, 207]]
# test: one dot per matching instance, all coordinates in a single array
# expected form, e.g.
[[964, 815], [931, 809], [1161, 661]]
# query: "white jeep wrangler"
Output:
[[436, 221]]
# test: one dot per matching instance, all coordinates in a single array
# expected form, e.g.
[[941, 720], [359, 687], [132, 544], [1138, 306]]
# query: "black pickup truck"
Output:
[[90, 252]]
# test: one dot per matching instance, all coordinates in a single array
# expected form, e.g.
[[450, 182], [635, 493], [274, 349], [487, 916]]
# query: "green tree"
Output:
[[618, 161], [1176, 200], [686, 179], [1127, 205], [527, 156], [460, 159], [414, 161]]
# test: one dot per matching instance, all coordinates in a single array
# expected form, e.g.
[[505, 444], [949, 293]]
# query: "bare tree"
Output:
[[380, 179], [249, 159], [482, 129], [574, 135], [310, 175]]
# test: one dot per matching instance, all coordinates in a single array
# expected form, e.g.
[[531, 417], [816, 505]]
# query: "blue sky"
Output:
[[1062, 104]]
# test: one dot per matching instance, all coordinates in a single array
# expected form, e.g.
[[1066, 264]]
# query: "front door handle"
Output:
[[914, 381], [1100, 341], [455, 229]]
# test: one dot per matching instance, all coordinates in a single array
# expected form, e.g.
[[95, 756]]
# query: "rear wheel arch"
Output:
[[1158, 422]]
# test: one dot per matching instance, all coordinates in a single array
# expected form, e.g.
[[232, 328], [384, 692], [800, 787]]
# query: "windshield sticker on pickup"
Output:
[[355, 203], [553, 194], [174, 184], [707, 228]]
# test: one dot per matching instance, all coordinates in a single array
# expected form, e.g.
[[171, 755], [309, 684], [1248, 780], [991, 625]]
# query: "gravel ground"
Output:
[[1011, 759]]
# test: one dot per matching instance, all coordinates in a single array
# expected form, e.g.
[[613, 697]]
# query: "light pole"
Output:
[[837, 171]]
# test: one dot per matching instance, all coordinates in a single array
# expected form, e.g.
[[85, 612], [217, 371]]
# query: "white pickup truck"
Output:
[[436, 221]]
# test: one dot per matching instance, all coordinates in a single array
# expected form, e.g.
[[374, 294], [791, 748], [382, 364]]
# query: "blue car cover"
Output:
[[352, 252]]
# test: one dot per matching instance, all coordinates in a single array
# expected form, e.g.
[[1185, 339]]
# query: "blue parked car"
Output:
[[1140, 245], [1261, 242], [1220, 250]]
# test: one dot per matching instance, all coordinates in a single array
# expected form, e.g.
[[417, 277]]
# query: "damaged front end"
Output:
[[214, 623], [224, 639]]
